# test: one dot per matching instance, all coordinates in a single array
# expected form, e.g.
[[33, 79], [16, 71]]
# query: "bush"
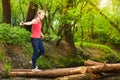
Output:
[[101, 36], [13, 35], [115, 40], [44, 63]]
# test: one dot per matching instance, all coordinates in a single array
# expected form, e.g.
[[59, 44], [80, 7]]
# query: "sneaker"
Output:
[[36, 69]]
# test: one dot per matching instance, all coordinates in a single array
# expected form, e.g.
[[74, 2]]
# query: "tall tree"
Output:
[[66, 28], [6, 11], [31, 13]]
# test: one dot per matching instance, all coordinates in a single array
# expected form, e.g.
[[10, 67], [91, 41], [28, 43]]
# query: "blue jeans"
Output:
[[38, 49]]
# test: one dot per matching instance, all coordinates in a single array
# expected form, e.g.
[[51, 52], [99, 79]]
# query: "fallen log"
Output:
[[50, 73], [94, 66], [104, 68], [53, 73], [74, 77], [86, 76]]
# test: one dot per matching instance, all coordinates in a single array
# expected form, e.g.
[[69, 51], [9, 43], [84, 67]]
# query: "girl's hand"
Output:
[[21, 24], [42, 36]]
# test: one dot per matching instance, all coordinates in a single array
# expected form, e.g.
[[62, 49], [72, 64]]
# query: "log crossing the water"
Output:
[[50, 73], [91, 67]]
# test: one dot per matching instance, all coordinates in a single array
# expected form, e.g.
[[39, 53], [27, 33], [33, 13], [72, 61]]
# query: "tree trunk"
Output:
[[65, 30], [31, 13], [6, 11], [69, 37]]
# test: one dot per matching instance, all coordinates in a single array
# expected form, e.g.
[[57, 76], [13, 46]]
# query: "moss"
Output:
[[98, 52], [60, 61]]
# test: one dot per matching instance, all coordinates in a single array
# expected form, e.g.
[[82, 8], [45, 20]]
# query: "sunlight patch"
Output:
[[105, 3]]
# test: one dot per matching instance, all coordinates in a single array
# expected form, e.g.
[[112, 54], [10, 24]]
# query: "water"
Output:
[[108, 78], [112, 78], [115, 77], [19, 78]]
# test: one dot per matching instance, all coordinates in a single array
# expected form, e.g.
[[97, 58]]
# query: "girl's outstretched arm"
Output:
[[27, 23]]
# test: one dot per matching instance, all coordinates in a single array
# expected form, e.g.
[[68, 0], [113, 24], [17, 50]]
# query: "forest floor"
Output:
[[18, 55]]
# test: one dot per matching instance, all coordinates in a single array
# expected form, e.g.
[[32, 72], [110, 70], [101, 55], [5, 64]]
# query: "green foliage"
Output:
[[0, 11], [59, 61], [7, 67], [2, 53], [44, 63], [69, 61], [105, 48], [71, 14], [51, 37], [13, 35], [115, 40], [108, 54], [19, 10], [101, 36]]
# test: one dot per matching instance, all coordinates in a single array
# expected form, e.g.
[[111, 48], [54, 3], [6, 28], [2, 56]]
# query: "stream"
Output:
[[19, 78], [117, 77], [109, 77], [112, 78]]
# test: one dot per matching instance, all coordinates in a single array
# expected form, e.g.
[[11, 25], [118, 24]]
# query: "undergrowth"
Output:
[[109, 54]]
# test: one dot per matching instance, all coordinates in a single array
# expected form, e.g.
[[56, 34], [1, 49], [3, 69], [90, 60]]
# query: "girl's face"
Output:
[[41, 16]]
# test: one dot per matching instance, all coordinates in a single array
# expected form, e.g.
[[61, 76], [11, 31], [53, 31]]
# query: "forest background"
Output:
[[75, 31]]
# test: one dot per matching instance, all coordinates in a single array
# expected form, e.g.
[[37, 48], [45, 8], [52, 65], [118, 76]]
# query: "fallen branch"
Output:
[[92, 63]]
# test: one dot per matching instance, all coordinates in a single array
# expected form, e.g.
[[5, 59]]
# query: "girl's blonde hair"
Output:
[[40, 11]]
